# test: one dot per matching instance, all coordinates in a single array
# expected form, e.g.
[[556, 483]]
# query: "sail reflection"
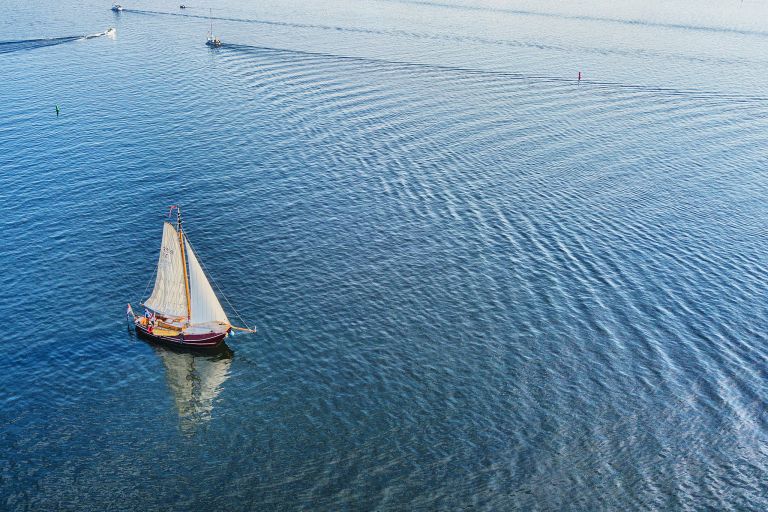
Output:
[[195, 381]]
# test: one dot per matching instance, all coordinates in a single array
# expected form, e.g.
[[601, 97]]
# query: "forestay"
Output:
[[169, 296]]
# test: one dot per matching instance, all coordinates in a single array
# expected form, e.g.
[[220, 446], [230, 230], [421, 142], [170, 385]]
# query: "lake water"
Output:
[[479, 283]]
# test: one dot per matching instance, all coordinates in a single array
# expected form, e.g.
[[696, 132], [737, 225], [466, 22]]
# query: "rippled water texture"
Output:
[[479, 283]]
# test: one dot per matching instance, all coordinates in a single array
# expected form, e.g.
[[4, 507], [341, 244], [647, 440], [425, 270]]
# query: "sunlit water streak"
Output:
[[576, 17], [457, 38]]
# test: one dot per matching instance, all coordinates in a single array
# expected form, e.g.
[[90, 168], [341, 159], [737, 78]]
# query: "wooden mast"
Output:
[[184, 262]]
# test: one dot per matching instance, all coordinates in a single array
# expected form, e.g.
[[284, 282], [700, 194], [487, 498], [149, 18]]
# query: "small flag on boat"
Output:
[[129, 311]]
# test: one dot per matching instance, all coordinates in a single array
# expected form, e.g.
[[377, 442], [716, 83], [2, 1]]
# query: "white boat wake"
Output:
[[111, 32]]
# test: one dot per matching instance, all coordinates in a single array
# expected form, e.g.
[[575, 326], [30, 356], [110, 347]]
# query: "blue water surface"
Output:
[[479, 282]]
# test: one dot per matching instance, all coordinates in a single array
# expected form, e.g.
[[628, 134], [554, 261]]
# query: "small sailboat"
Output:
[[117, 8], [183, 310], [212, 41]]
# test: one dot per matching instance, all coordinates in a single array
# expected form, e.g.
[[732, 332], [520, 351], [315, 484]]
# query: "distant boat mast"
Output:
[[212, 41]]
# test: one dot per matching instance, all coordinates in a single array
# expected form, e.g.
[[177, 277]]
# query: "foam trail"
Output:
[[99, 34], [580, 17], [31, 44], [640, 88], [453, 38]]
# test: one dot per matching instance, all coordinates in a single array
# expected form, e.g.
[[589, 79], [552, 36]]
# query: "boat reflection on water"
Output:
[[195, 381]]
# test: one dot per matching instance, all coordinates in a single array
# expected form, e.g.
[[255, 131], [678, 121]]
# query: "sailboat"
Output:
[[183, 310], [213, 41]]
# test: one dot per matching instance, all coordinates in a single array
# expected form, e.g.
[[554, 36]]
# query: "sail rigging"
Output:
[[187, 311], [182, 289], [188, 302], [168, 296]]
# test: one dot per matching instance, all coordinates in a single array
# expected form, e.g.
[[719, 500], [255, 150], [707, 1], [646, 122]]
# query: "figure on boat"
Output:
[[183, 310]]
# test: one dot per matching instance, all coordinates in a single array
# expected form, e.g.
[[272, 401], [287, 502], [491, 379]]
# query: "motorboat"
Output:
[[117, 8]]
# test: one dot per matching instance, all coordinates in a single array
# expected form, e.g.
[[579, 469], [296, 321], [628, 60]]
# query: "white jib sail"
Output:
[[169, 297], [206, 308]]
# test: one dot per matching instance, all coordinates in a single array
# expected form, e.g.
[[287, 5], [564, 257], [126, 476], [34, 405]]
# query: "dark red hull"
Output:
[[194, 341]]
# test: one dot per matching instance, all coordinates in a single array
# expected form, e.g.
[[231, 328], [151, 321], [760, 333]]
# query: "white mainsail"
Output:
[[205, 306], [169, 295]]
